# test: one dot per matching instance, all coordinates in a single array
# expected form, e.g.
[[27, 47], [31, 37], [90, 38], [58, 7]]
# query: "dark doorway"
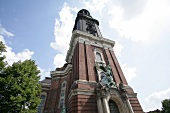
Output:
[[113, 107]]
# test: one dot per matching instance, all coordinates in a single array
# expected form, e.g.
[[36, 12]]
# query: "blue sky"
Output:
[[41, 30]]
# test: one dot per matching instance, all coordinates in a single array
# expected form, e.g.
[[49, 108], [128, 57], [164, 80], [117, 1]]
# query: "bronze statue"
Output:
[[106, 76]]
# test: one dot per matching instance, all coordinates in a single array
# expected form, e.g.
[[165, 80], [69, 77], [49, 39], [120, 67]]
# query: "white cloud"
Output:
[[117, 49], [44, 73], [62, 32], [59, 60], [4, 32], [132, 8], [95, 5], [11, 56], [2, 39], [144, 27], [156, 98], [63, 28], [129, 72]]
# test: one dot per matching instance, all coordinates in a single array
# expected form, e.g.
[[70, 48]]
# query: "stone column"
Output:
[[99, 105], [105, 106]]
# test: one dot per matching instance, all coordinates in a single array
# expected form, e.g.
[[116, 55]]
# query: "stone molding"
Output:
[[45, 84], [115, 95], [80, 92], [83, 37], [133, 95], [83, 82], [96, 50], [45, 88], [86, 82], [59, 73]]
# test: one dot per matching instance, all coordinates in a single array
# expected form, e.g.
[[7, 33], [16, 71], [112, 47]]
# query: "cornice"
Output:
[[45, 84], [80, 92], [94, 83], [133, 95], [83, 37], [61, 74], [45, 88]]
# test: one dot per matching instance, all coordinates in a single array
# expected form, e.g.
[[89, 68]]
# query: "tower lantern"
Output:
[[85, 22]]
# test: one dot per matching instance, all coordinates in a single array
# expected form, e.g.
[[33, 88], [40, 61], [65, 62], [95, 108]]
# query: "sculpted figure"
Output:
[[122, 87], [106, 76]]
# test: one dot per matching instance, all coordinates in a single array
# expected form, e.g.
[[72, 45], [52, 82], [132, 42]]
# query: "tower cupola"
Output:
[[84, 22]]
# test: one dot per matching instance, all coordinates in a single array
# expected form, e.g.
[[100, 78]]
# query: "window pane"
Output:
[[113, 107], [41, 105], [98, 57]]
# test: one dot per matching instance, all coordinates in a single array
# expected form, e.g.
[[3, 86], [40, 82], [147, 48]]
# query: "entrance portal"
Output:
[[113, 107]]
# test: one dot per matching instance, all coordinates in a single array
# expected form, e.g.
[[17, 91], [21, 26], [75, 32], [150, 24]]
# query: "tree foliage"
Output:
[[2, 63], [19, 86], [166, 106]]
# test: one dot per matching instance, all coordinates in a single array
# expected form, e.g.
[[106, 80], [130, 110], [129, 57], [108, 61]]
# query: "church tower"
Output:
[[92, 80]]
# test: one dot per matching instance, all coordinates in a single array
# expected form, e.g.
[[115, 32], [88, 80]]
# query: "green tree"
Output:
[[166, 106], [2, 63], [19, 86]]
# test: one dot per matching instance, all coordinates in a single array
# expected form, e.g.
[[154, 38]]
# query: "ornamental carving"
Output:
[[106, 77]]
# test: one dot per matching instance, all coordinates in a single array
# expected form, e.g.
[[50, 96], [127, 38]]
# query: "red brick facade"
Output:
[[83, 69], [77, 86]]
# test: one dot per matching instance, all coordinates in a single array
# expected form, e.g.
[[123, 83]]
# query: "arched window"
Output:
[[98, 57], [42, 103], [113, 107], [62, 95]]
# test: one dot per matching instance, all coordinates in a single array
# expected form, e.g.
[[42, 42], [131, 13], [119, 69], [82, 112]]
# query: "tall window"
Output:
[[113, 107], [98, 57], [62, 96], [42, 103]]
